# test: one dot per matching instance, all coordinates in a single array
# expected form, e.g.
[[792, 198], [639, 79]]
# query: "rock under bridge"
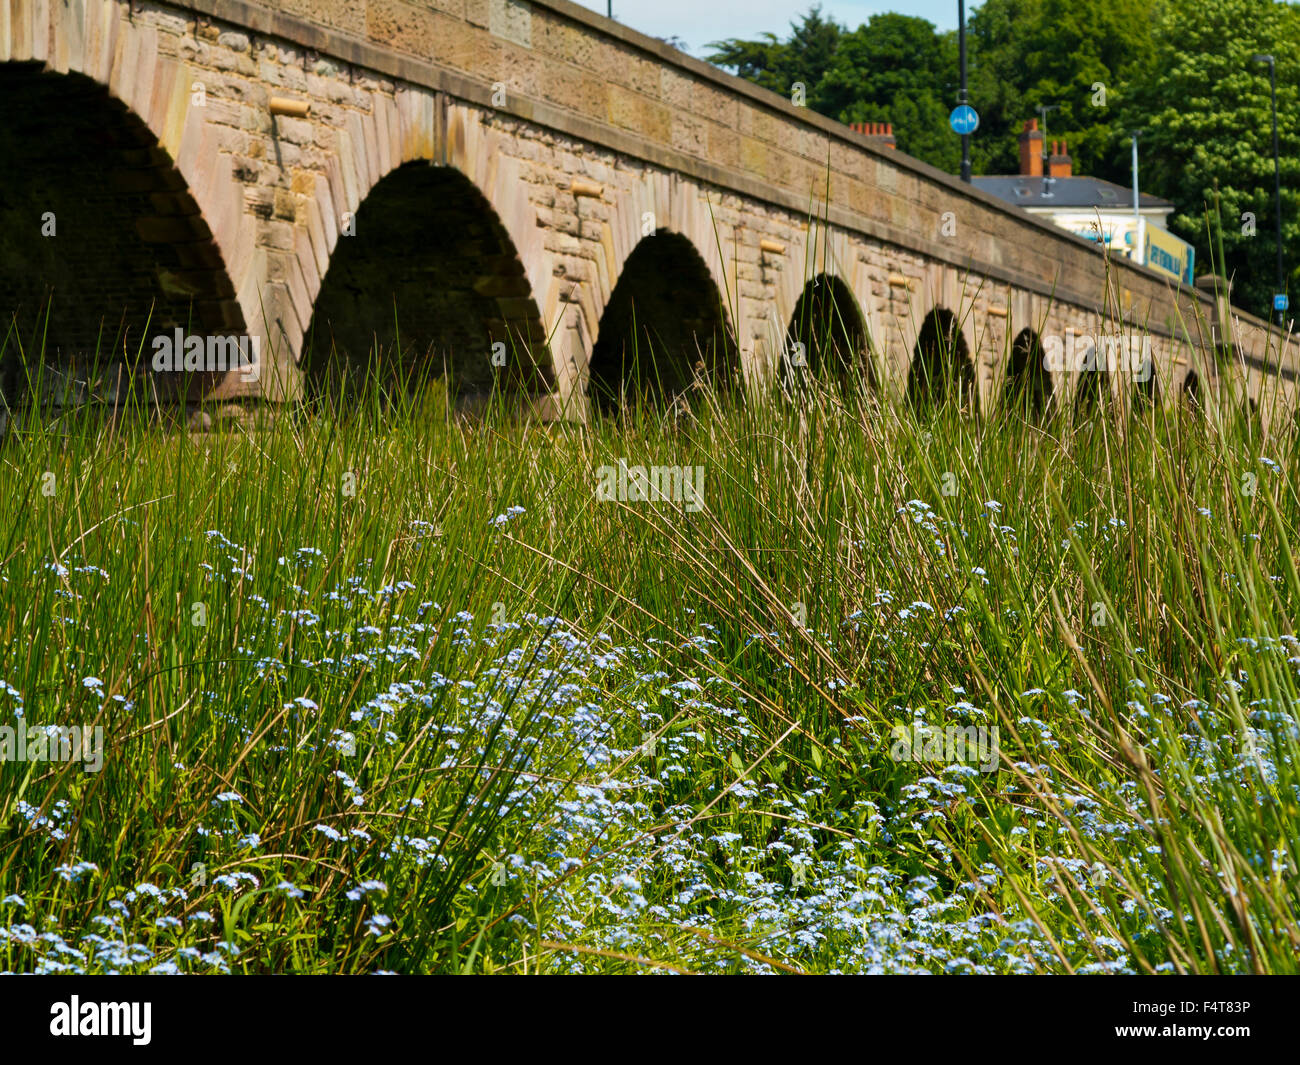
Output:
[[524, 190]]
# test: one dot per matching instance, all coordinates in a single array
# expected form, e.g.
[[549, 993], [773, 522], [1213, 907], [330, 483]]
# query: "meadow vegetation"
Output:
[[387, 689]]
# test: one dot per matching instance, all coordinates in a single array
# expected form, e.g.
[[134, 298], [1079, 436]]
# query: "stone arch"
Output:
[[663, 327], [1027, 310], [428, 282], [98, 218], [625, 215], [1098, 362], [1041, 316], [1146, 388], [818, 250], [942, 369], [828, 337], [1092, 393], [123, 50], [1027, 387], [912, 301], [275, 236], [400, 143]]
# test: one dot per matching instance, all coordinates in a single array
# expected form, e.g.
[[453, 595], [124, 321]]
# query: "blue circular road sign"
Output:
[[964, 119]]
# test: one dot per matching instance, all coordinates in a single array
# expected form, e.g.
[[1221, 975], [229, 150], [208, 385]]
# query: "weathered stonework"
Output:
[[582, 138]]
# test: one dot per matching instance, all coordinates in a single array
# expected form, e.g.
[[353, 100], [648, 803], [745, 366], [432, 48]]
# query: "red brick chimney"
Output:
[[1031, 149], [879, 133], [1059, 164]]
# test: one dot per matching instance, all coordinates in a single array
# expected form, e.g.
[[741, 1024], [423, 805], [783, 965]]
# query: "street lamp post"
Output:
[[1277, 177], [1137, 210], [961, 48]]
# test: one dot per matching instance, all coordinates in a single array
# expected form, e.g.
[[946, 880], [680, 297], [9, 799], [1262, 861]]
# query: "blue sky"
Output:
[[697, 23]]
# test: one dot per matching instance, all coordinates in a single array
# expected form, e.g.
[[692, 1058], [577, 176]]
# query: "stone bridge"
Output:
[[524, 191]]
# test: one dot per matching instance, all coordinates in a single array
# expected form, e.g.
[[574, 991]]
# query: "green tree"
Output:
[[895, 68], [1205, 109], [899, 69], [1082, 58], [995, 39], [779, 65]]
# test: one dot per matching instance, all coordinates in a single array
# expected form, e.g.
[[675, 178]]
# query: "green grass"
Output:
[[619, 736]]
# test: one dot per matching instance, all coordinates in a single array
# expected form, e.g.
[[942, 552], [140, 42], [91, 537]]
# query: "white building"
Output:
[[1094, 209]]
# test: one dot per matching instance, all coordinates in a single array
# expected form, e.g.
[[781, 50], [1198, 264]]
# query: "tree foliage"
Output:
[[895, 68], [802, 58], [1207, 115]]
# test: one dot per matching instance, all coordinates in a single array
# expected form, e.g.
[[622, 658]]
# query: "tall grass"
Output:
[[362, 712]]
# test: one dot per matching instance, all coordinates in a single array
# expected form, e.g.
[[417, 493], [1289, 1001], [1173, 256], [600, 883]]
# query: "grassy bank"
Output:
[[393, 691]]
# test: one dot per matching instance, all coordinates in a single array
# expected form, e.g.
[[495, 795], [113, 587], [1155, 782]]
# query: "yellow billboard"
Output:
[[1169, 255]]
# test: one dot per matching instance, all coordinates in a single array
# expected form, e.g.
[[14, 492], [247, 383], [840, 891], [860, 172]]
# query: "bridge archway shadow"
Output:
[[1028, 390], [1093, 397], [942, 372], [827, 341], [429, 286], [97, 228], [663, 331], [1146, 391]]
